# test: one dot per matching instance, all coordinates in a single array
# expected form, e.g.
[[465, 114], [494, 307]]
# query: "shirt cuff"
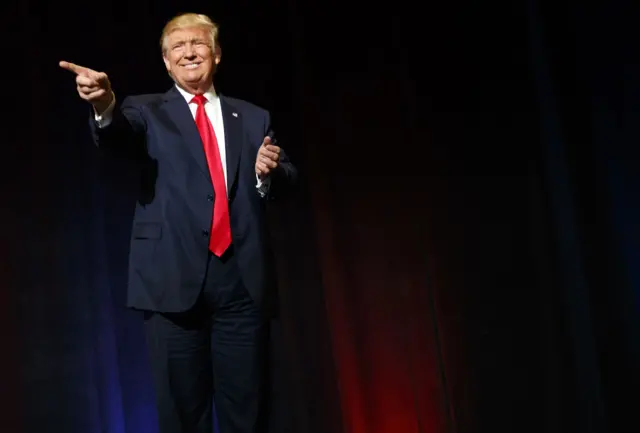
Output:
[[262, 185], [103, 120]]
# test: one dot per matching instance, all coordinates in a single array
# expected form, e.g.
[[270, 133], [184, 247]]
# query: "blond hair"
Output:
[[189, 20]]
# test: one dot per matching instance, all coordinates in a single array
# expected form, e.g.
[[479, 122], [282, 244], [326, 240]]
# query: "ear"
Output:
[[217, 54], [167, 63]]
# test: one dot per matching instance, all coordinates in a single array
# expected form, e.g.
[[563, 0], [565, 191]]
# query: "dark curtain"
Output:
[[588, 94], [460, 257]]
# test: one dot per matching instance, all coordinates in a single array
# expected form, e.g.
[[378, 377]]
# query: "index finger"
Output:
[[72, 67]]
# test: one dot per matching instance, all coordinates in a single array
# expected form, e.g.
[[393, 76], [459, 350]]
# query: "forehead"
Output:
[[188, 33]]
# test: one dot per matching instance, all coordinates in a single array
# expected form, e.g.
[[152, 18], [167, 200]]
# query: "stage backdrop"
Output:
[[460, 257]]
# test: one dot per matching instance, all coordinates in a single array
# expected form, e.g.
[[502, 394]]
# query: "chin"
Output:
[[193, 78]]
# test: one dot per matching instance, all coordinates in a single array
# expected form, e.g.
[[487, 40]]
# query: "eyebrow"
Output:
[[182, 41]]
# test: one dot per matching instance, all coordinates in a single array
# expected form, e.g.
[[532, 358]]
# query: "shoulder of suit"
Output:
[[245, 107]]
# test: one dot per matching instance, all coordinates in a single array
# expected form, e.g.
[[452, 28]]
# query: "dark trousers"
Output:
[[213, 353]]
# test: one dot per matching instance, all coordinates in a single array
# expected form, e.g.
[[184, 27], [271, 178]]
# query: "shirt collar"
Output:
[[209, 94]]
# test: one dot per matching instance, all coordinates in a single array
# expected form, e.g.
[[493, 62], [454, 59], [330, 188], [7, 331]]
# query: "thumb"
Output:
[[100, 77]]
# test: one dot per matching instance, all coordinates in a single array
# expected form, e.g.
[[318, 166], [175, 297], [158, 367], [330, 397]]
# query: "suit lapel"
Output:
[[178, 112], [233, 138]]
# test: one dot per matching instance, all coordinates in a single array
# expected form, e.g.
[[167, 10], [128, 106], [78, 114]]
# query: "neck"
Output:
[[195, 88]]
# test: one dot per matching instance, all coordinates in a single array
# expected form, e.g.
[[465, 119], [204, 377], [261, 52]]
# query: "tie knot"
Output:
[[199, 99]]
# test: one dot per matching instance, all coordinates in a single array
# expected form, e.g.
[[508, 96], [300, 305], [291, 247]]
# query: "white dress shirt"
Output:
[[214, 112]]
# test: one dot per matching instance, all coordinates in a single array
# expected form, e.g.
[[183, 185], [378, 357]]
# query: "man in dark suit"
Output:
[[200, 266]]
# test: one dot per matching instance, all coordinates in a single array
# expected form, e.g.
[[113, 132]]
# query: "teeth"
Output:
[[191, 66]]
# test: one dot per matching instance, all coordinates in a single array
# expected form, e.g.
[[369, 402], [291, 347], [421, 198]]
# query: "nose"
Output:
[[189, 51]]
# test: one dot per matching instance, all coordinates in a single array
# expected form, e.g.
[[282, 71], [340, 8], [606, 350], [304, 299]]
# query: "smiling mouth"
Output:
[[191, 65]]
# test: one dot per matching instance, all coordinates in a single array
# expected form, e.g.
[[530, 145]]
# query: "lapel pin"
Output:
[[235, 114]]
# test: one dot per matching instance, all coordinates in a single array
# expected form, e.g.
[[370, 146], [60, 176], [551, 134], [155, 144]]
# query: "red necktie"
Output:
[[220, 227]]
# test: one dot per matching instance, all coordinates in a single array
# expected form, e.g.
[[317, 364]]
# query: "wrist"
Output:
[[102, 105]]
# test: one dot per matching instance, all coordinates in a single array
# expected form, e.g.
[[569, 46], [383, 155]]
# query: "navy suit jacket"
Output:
[[170, 232]]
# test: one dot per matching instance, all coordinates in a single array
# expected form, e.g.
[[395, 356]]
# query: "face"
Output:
[[191, 59]]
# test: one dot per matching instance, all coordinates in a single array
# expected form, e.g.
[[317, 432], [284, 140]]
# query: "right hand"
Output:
[[94, 87]]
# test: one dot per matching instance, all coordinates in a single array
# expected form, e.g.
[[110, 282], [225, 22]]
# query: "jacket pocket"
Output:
[[147, 231]]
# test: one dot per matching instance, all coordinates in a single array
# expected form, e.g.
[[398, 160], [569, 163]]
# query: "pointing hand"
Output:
[[268, 158], [94, 87]]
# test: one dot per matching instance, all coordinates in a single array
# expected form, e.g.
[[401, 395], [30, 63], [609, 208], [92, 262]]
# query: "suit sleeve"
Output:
[[120, 131], [284, 178]]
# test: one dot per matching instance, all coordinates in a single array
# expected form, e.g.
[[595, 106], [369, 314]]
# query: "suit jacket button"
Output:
[[210, 197], [205, 232]]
